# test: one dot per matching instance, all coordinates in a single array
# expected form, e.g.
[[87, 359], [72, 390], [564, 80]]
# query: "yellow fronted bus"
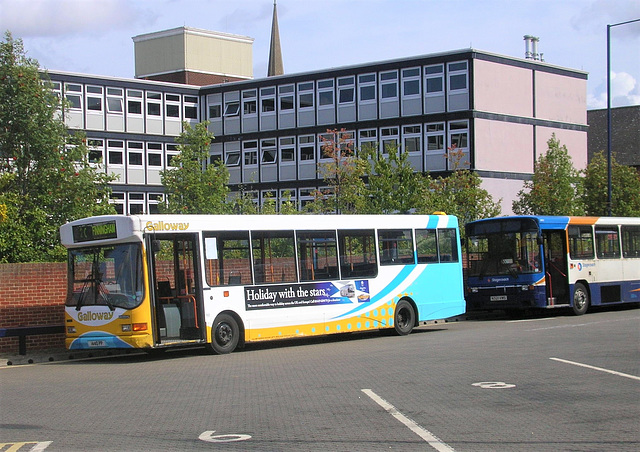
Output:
[[157, 281]]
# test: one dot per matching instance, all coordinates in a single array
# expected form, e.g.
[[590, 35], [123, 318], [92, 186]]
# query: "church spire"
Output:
[[275, 54]]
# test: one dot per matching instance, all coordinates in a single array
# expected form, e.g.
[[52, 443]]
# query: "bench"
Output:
[[23, 331]]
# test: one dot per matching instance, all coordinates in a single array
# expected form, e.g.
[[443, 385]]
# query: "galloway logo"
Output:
[[162, 226], [95, 316]]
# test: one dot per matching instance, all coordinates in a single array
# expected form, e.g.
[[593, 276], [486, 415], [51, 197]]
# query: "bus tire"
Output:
[[225, 335], [404, 318], [580, 299]]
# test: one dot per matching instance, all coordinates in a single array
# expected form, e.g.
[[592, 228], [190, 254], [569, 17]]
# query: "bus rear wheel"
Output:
[[580, 299], [225, 335], [404, 318]]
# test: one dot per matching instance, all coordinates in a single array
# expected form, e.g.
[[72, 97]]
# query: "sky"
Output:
[[95, 36]]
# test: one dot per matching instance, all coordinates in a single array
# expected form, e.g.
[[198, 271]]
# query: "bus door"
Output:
[[177, 301], [555, 265]]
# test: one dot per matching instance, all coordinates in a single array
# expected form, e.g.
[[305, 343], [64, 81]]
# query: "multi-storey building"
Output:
[[499, 111]]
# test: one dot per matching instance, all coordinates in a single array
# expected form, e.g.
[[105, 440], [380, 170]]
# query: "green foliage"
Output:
[[625, 188], [394, 186], [188, 188], [343, 172], [46, 179], [555, 186]]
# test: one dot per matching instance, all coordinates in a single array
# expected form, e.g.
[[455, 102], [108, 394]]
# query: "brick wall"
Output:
[[32, 294]]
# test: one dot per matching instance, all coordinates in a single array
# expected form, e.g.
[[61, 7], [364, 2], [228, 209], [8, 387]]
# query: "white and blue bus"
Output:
[[156, 281], [521, 262]]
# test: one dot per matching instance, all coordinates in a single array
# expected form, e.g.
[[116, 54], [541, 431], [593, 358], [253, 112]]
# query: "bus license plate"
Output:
[[498, 298], [97, 344]]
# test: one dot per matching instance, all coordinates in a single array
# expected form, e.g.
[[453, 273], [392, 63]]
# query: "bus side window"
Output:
[[447, 245], [317, 255], [229, 263], [357, 253], [274, 257], [426, 245], [396, 246], [631, 241]]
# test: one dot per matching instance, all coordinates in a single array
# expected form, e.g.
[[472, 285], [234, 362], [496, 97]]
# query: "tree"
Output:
[[394, 185], [555, 186], [625, 188], [190, 189], [46, 178], [459, 194], [343, 172]]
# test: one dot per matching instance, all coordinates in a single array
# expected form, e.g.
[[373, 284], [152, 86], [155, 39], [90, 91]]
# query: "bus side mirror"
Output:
[[155, 245], [539, 240]]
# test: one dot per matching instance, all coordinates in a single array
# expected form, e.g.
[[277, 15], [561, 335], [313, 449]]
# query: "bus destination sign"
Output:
[[95, 231]]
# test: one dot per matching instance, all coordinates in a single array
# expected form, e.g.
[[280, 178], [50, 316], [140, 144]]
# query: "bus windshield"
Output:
[[504, 253], [106, 275]]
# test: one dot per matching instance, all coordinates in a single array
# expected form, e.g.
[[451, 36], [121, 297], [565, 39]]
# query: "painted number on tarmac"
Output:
[[493, 385], [209, 437]]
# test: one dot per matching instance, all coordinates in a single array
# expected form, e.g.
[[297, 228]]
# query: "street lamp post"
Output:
[[609, 110]]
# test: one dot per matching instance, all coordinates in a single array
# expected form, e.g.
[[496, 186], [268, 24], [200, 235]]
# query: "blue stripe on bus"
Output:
[[391, 288]]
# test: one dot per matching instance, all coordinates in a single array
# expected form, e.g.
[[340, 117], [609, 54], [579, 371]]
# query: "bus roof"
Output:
[[561, 222], [130, 227]]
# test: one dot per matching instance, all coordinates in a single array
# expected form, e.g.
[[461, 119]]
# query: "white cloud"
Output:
[[624, 91], [47, 18]]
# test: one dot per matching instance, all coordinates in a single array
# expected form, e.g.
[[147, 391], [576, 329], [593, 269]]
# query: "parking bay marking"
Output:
[[620, 374], [37, 446], [426, 435]]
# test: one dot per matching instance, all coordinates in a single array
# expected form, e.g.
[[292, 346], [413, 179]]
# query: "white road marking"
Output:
[[620, 374], [530, 320], [585, 324], [429, 437]]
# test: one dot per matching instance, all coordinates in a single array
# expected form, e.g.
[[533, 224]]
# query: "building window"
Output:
[[288, 149], [269, 151], [346, 90], [367, 88], [389, 85], [325, 93], [268, 100], [457, 76], [286, 97], [389, 137], [134, 150], [215, 111], [412, 138], [434, 79], [190, 105], [134, 102], [154, 101], [435, 137], [250, 152], [249, 103], [94, 98], [73, 94], [232, 158], [411, 82], [117, 199], [115, 100], [96, 150], [368, 139], [171, 152], [232, 108], [172, 105], [305, 95], [115, 152], [307, 148]]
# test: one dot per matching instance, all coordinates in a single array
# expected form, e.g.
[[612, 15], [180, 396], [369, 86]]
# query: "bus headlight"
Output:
[[71, 329], [126, 328]]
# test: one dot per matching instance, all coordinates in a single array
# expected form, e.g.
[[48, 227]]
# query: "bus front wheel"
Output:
[[404, 318], [580, 299], [226, 335]]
